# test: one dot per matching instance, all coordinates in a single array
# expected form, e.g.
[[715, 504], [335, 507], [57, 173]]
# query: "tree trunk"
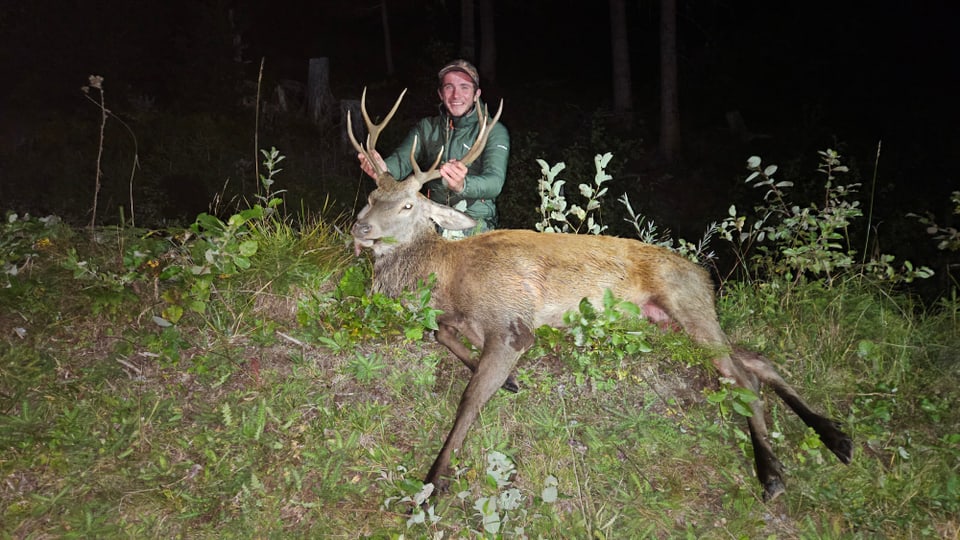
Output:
[[620, 51], [468, 39], [320, 102], [669, 98], [387, 45], [488, 42]]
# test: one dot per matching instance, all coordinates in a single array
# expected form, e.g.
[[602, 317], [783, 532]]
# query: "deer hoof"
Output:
[[772, 489], [440, 484], [510, 385]]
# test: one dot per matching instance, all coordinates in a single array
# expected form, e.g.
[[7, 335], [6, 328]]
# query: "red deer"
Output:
[[496, 288]]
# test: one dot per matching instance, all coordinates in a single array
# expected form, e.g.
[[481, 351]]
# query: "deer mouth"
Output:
[[360, 243]]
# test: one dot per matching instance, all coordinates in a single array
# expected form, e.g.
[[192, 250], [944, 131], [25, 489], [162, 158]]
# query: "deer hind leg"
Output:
[[700, 322], [449, 336], [829, 430], [769, 468], [496, 362]]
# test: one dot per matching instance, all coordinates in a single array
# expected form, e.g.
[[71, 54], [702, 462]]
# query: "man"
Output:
[[455, 129]]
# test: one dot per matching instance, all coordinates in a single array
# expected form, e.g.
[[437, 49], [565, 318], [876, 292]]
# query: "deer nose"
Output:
[[361, 229]]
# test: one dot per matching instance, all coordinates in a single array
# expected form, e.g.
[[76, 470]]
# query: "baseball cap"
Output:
[[462, 66]]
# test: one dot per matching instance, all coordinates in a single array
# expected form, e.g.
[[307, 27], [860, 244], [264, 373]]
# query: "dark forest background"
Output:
[[183, 77]]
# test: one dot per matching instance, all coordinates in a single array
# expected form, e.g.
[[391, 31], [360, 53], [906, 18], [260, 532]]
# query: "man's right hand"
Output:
[[368, 167]]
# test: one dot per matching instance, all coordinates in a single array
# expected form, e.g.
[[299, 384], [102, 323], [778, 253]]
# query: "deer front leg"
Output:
[[492, 370], [449, 337]]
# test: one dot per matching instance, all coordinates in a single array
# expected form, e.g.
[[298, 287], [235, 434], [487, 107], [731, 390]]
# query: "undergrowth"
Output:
[[236, 379]]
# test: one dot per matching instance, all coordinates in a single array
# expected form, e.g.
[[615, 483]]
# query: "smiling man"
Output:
[[455, 129]]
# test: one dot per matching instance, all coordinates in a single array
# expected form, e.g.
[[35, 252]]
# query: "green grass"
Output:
[[239, 421]]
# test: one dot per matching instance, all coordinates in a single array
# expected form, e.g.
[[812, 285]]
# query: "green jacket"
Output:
[[485, 176]]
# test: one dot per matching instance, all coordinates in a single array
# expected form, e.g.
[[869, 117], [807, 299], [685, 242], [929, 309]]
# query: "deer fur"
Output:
[[496, 288]]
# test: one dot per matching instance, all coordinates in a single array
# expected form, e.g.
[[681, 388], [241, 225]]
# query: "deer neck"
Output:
[[401, 267]]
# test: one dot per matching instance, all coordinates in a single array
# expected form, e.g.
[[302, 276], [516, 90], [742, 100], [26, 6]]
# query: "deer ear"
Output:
[[448, 218]]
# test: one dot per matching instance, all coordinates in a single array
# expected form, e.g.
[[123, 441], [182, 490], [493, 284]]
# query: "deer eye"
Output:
[[408, 206]]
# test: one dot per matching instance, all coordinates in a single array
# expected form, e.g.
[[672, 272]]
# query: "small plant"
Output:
[[649, 232], [23, 239], [495, 510], [498, 507], [732, 398], [417, 495], [597, 341], [350, 314], [221, 249], [556, 215], [269, 199], [366, 367]]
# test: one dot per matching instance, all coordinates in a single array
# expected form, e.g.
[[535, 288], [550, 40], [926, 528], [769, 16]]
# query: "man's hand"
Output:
[[455, 174], [368, 167]]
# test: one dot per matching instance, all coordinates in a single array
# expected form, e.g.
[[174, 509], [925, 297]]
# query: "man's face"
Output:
[[458, 93]]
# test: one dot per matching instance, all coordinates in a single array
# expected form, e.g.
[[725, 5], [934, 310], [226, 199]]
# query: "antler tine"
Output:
[[373, 130], [432, 173], [485, 129]]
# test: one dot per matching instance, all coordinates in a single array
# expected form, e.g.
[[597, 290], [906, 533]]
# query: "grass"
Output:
[[239, 420]]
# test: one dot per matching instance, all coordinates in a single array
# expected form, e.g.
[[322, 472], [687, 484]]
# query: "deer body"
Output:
[[483, 277], [496, 288]]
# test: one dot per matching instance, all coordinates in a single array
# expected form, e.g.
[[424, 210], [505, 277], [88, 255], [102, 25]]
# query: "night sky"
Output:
[[809, 74]]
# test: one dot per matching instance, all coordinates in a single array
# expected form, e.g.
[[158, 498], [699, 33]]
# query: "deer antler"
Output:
[[486, 125], [483, 135], [373, 131], [421, 177]]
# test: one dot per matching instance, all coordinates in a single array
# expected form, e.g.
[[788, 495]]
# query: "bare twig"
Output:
[[96, 81]]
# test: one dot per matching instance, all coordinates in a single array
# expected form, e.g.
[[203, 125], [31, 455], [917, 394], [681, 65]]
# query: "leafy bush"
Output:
[[349, 314], [947, 238], [795, 241]]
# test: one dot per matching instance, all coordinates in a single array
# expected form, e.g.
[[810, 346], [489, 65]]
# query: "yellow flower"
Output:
[[43, 243]]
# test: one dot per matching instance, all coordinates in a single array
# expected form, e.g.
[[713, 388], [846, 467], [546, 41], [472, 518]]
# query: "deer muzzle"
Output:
[[360, 230]]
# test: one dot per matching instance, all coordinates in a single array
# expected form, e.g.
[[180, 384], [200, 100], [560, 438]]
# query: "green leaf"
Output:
[[742, 409], [717, 397], [745, 395], [630, 308], [172, 313], [430, 320], [207, 222], [587, 310], [549, 492], [248, 248]]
